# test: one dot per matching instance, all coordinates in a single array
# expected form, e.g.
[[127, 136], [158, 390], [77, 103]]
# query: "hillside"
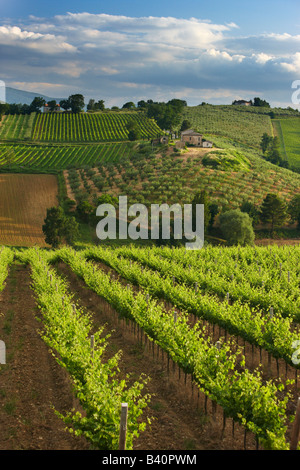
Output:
[[172, 177], [14, 95], [95, 156]]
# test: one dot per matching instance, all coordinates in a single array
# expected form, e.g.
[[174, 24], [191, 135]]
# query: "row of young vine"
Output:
[[220, 373], [274, 334], [244, 396], [90, 127], [68, 331]]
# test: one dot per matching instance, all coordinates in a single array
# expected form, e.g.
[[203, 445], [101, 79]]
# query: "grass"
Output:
[[291, 134]]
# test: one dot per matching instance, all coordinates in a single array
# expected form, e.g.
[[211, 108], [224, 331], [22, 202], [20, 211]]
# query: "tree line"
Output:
[[238, 225]]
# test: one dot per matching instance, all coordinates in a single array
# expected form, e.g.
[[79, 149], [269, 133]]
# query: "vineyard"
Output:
[[69, 127], [58, 157], [17, 127], [230, 122], [215, 316], [90, 127]]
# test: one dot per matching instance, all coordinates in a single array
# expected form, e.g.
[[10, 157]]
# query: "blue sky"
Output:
[[120, 51]]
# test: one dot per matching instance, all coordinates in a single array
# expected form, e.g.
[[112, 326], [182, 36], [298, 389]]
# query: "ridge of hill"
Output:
[[14, 95]]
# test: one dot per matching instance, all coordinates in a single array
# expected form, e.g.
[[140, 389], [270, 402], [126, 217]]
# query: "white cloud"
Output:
[[294, 65], [262, 58], [110, 54], [46, 43]]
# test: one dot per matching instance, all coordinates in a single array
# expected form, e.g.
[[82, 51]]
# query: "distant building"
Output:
[[56, 109], [242, 103]]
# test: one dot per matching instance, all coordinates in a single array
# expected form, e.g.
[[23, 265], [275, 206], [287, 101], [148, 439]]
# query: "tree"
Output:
[[65, 104], [236, 227], [84, 210], [273, 211], [129, 105], [167, 115], [133, 130], [294, 209], [261, 103], [36, 104], [201, 198], [76, 103], [91, 105], [4, 108], [214, 210], [95, 106], [58, 228], [252, 210], [51, 104], [186, 124], [265, 141]]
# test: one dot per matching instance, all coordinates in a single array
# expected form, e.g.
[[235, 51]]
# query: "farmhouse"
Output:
[[242, 103], [56, 109], [191, 137]]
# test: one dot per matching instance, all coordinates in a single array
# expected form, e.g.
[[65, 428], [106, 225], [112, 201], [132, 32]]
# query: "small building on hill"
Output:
[[191, 137], [160, 140], [56, 109], [242, 103], [207, 144]]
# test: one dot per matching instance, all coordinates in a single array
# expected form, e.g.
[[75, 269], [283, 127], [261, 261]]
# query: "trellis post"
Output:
[[123, 426]]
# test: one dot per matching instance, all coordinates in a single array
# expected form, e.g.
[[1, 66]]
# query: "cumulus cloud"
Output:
[[107, 55]]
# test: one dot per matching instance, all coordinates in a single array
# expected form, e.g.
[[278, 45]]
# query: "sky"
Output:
[[119, 51]]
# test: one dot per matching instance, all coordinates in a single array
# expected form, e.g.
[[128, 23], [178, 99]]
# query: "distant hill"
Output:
[[14, 95]]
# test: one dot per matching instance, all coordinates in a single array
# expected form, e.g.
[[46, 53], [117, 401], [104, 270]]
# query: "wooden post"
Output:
[[123, 426], [92, 344], [296, 428], [2, 353]]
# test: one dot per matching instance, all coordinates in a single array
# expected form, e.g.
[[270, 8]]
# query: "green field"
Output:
[[229, 121], [291, 134]]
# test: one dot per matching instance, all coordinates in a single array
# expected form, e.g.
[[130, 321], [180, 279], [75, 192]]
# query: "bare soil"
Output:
[[24, 200]]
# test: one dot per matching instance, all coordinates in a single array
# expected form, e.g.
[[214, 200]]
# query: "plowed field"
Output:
[[24, 200]]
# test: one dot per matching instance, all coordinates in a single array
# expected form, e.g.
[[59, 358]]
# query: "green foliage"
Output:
[[294, 209], [273, 211], [237, 227], [225, 160], [201, 198], [261, 103], [58, 227], [252, 210], [97, 382]]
